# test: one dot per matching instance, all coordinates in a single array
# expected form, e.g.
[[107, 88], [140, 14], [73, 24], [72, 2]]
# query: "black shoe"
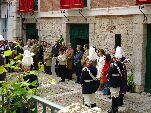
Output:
[[114, 108], [120, 99], [87, 105], [93, 105]]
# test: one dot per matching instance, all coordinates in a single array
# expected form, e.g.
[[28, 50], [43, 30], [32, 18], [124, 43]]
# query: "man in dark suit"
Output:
[[55, 53]]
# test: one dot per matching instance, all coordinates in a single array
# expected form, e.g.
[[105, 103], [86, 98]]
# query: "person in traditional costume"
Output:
[[115, 80], [88, 77], [27, 76], [27, 61]]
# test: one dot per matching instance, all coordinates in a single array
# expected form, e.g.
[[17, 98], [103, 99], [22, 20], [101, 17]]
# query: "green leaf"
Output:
[[25, 83], [41, 68], [2, 70], [34, 72], [33, 109], [34, 83], [8, 53]]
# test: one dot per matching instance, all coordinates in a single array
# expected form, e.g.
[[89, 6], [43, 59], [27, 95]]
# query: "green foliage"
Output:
[[8, 53], [2, 70], [17, 91], [41, 67], [60, 39], [130, 82]]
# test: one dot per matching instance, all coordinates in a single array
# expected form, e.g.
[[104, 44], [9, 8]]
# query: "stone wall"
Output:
[[111, 3], [133, 42], [49, 5], [107, 26], [50, 29]]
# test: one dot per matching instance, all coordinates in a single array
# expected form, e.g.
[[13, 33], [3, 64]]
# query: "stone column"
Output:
[[139, 55]]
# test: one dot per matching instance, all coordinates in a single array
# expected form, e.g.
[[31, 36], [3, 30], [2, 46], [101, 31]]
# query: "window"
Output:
[[85, 3], [36, 5], [117, 40]]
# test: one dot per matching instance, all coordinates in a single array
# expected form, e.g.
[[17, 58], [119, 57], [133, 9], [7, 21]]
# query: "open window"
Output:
[[117, 40]]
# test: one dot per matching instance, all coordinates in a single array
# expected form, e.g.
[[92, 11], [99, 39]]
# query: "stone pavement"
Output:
[[68, 92]]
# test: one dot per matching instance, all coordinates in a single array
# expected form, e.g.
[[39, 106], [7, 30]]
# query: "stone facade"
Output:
[[50, 29], [102, 30], [111, 3], [8, 20]]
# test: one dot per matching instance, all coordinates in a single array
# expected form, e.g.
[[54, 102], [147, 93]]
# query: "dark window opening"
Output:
[[85, 3], [36, 5], [117, 40]]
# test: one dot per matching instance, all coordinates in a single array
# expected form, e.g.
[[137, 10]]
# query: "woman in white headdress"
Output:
[[27, 61]]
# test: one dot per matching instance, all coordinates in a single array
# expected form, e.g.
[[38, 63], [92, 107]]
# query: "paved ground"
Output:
[[68, 92]]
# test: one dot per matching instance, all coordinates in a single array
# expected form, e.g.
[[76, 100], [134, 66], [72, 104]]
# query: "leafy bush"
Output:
[[131, 84], [15, 94]]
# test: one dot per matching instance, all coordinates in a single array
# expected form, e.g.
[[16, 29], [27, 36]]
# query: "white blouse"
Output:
[[100, 64]]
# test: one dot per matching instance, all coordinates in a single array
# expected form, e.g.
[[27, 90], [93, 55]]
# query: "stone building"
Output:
[[105, 24], [102, 23], [8, 18]]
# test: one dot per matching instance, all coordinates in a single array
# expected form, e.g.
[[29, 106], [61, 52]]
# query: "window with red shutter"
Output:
[[26, 6], [30, 5], [65, 4], [22, 6], [139, 2], [77, 4]]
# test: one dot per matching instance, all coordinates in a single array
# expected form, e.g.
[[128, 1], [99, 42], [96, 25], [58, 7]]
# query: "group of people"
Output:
[[110, 71], [89, 63]]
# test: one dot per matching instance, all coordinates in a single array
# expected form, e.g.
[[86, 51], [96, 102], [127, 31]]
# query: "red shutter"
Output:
[[77, 3], [30, 5], [65, 4], [22, 6], [26, 6], [139, 2]]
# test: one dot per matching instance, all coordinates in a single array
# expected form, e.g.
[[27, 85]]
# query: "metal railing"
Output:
[[45, 103], [38, 100]]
